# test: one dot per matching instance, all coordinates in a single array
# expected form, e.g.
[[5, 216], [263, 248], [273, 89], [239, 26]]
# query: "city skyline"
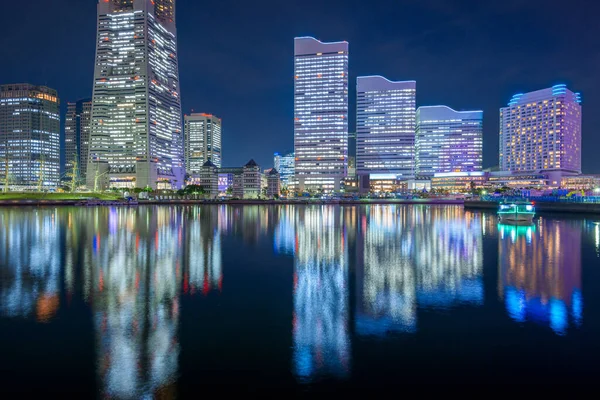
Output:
[[486, 84]]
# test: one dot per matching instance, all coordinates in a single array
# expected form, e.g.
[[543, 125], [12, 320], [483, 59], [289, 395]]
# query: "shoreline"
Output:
[[78, 203]]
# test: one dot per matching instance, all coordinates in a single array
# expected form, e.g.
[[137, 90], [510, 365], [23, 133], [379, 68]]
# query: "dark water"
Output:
[[169, 302]]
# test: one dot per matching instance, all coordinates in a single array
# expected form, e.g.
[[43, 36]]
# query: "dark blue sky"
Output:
[[236, 57]]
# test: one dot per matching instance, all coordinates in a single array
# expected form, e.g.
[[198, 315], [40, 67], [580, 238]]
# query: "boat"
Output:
[[516, 212]]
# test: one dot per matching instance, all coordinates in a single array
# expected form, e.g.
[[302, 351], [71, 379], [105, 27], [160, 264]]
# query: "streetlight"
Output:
[[597, 190]]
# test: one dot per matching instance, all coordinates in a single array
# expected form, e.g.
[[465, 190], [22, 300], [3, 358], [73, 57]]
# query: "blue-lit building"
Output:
[[541, 131], [385, 129], [284, 164], [448, 141]]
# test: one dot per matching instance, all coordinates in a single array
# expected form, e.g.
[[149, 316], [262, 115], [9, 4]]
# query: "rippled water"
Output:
[[169, 301]]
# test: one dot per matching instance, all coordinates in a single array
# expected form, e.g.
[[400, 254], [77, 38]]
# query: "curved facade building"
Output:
[[320, 113], [541, 131], [385, 128], [448, 140], [136, 131]]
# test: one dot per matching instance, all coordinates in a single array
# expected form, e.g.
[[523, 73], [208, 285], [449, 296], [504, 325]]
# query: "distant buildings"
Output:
[[385, 129], [136, 133], [77, 138], [239, 182], [541, 131], [202, 134], [284, 164], [29, 137], [320, 113], [448, 140]]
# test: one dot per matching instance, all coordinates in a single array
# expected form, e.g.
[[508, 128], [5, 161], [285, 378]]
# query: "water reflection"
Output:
[[30, 273], [321, 310], [540, 273], [376, 271], [410, 257]]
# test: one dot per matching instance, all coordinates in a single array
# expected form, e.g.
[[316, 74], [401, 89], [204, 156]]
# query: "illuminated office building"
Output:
[[284, 164], [202, 141], [136, 133], [77, 137], [29, 136], [448, 140], [320, 113], [541, 131], [385, 129]]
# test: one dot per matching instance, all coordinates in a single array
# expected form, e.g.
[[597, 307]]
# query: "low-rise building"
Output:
[[273, 184], [209, 179], [458, 182], [581, 182]]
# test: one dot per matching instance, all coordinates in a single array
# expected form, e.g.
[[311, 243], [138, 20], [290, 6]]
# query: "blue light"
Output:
[[515, 304], [577, 307], [558, 316]]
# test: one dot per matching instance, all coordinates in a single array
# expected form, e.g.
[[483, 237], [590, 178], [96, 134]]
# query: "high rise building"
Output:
[[202, 141], [385, 129], [284, 164], [29, 136], [77, 137], [136, 131], [448, 140], [320, 113], [541, 131]]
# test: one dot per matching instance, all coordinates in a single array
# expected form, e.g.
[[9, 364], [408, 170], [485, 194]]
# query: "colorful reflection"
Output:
[[415, 257], [321, 309], [540, 273], [31, 265]]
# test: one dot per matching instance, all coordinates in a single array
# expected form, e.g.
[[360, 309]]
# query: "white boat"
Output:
[[517, 212]]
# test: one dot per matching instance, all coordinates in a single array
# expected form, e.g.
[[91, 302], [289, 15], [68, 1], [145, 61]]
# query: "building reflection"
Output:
[[31, 266], [415, 257], [204, 269], [321, 309], [540, 273], [136, 279]]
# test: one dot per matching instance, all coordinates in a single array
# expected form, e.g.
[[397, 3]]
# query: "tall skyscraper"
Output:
[[448, 140], [320, 113], [136, 131], [29, 136], [541, 131], [77, 137], [385, 129], [202, 141], [284, 164]]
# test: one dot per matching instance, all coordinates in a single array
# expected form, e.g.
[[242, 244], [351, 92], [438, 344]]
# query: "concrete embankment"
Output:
[[550, 207], [34, 203]]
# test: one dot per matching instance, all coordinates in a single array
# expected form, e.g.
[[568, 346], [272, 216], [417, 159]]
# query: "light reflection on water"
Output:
[[366, 272]]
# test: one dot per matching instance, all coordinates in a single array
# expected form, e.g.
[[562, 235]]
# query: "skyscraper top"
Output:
[[426, 113], [307, 45], [556, 90], [378, 82], [164, 10]]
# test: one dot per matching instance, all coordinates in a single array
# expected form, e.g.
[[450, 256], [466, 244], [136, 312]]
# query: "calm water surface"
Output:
[[157, 301]]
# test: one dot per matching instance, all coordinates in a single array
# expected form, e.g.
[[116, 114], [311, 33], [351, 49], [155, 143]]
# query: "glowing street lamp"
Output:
[[597, 190]]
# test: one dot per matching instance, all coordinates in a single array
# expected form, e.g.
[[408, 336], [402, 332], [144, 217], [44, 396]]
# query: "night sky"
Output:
[[236, 57]]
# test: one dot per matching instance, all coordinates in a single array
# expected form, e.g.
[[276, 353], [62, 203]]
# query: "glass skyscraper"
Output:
[[448, 140], [385, 129], [284, 164], [29, 137], [320, 113], [136, 130], [202, 141], [541, 131], [77, 137]]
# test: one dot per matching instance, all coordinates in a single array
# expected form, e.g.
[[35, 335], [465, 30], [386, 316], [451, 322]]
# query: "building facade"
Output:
[[458, 182], [448, 141], [77, 138], [29, 137], [273, 184], [385, 129], [284, 164], [202, 134], [209, 179], [136, 131], [320, 113], [252, 180], [541, 131]]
